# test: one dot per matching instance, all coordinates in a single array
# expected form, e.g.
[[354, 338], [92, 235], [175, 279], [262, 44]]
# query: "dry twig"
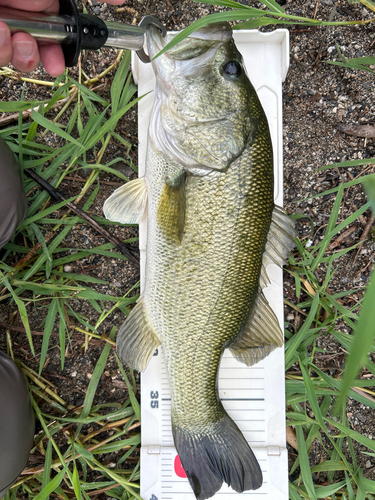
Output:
[[59, 197]]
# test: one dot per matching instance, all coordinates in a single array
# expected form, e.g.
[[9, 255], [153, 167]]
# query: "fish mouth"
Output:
[[214, 33], [200, 45], [155, 40]]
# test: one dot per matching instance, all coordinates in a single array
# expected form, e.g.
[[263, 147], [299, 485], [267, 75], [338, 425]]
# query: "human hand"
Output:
[[22, 50]]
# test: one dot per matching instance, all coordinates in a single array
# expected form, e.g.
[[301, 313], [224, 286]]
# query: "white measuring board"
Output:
[[253, 396]]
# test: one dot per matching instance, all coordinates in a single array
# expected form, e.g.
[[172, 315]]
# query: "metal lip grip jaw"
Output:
[[90, 32], [17, 423]]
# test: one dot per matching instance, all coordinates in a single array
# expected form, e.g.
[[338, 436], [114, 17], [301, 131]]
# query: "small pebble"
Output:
[[68, 269]]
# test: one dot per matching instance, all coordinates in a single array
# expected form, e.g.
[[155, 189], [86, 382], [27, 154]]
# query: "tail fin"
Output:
[[214, 454]]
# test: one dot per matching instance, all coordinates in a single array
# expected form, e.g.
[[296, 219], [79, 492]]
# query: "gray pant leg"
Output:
[[13, 203], [17, 423]]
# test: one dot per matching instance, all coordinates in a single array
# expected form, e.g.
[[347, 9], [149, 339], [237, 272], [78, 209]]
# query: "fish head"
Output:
[[202, 111]]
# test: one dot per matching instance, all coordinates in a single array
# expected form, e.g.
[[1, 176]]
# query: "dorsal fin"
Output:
[[280, 238], [128, 203], [279, 243]]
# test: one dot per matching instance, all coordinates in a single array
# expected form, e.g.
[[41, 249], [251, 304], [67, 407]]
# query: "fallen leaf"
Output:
[[291, 438], [367, 131]]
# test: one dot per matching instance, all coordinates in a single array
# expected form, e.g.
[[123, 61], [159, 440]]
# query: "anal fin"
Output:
[[260, 335], [128, 203], [137, 339]]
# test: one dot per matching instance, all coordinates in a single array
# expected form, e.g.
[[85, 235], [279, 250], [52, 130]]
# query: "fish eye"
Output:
[[232, 69]]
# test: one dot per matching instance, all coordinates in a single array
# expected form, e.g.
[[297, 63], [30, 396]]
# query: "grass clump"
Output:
[[72, 440]]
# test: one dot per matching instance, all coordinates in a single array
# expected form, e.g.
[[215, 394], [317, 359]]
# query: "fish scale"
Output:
[[215, 288], [211, 224]]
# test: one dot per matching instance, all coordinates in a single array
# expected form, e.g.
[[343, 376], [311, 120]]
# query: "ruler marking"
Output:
[[242, 399], [230, 399]]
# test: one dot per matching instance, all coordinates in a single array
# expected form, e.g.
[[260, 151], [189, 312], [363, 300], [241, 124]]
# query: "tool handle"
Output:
[[73, 30]]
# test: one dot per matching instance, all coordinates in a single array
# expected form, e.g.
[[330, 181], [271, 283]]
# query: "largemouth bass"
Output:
[[212, 229]]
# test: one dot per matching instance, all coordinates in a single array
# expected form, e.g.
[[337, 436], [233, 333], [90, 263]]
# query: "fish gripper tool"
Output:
[[76, 31]]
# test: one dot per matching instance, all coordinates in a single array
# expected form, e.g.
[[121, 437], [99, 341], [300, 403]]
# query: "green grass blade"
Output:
[[50, 320], [111, 123], [364, 330], [363, 339], [42, 241], [133, 399], [337, 385], [21, 309], [354, 182], [357, 436], [119, 80], [370, 191], [80, 277], [331, 226], [349, 487], [349, 163], [14, 106], [52, 127], [367, 484], [47, 467], [294, 493], [76, 483], [94, 381], [51, 486], [352, 64], [45, 212], [271, 4], [261, 21], [62, 329], [304, 464], [326, 491], [118, 445], [292, 345], [112, 171], [236, 15], [92, 96], [312, 396], [349, 220], [129, 90]]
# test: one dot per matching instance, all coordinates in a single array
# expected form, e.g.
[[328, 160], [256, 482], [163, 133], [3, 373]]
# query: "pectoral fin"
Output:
[[170, 215], [260, 335], [128, 203], [137, 339]]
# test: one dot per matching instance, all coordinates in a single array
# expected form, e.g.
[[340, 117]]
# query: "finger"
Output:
[[33, 5], [5, 45], [25, 52], [52, 58]]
